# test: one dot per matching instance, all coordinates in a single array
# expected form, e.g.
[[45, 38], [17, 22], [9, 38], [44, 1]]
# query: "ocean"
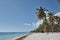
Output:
[[11, 35]]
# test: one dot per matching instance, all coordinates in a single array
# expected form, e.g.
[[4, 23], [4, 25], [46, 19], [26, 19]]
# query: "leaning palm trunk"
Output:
[[52, 29], [46, 28], [59, 26], [51, 20]]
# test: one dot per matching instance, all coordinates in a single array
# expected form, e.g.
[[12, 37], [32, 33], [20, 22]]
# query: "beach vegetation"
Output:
[[50, 24]]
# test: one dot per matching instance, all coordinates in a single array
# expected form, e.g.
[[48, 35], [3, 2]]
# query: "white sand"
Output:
[[43, 36]]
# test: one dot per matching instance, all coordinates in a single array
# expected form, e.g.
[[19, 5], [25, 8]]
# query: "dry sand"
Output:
[[43, 36]]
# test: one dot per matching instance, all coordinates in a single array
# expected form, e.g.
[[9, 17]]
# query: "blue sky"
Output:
[[19, 15]]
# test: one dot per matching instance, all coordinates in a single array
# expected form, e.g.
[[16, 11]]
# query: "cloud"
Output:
[[46, 13], [26, 24], [57, 14], [39, 22], [34, 24], [30, 24]]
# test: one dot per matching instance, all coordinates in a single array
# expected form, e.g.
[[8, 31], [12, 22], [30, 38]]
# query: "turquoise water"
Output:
[[11, 35]]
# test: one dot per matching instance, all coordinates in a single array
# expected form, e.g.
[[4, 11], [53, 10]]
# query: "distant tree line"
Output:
[[50, 24]]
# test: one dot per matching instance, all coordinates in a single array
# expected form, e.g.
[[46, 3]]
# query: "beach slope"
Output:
[[41, 36]]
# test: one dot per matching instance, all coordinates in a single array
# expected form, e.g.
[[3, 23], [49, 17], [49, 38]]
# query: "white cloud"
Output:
[[57, 14], [46, 13], [34, 24], [30, 24], [39, 22], [26, 24]]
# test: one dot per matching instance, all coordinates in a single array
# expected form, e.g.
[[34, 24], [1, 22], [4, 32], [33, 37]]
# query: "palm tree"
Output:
[[59, 1], [58, 21], [51, 21], [42, 15], [48, 25]]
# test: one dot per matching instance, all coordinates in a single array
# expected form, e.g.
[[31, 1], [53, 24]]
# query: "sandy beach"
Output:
[[41, 36]]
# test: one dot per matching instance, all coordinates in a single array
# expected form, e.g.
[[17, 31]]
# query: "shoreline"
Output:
[[21, 37], [40, 36]]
